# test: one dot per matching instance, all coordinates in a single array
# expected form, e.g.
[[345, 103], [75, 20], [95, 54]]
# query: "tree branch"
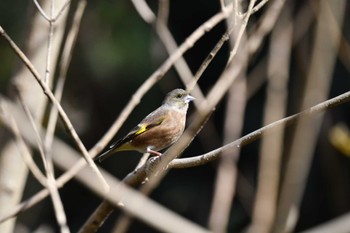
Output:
[[200, 160], [54, 101]]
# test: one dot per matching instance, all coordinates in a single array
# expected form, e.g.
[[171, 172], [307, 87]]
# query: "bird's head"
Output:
[[178, 98]]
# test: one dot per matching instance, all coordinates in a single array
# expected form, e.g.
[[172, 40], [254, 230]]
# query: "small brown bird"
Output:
[[158, 130]]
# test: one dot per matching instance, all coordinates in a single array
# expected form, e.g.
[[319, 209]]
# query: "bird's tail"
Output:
[[104, 155]]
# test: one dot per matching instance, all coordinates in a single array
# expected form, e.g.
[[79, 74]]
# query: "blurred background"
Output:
[[116, 51]]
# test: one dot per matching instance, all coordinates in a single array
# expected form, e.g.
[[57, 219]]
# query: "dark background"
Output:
[[116, 51]]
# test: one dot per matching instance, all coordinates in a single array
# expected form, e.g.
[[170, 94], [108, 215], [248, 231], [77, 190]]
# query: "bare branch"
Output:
[[275, 108], [66, 58], [227, 171], [50, 178], [159, 170], [116, 125], [49, 44], [40, 9], [144, 11], [265, 26], [340, 224], [317, 86], [169, 42], [200, 160], [27, 157], [52, 98], [59, 13], [156, 76], [132, 200], [205, 110], [241, 30]]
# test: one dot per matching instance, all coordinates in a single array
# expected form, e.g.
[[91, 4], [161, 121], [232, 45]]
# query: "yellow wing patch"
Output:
[[142, 129], [123, 144], [340, 138], [145, 126]]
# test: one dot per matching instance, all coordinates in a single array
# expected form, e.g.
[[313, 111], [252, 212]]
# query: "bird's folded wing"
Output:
[[137, 130]]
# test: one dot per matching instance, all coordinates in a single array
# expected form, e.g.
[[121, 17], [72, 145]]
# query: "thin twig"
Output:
[[79, 165], [200, 160], [181, 66], [155, 169], [139, 175], [163, 11], [65, 60], [317, 86], [158, 170], [51, 182], [119, 191], [59, 13], [159, 23], [68, 175], [144, 11], [267, 22], [225, 37], [52, 98], [271, 149], [33, 125], [222, 5], [57, 16], [303, 19], [41, 11], [227, 172], [24, 150], [241, 30], [49, 44], [156, 76], [259, 6]]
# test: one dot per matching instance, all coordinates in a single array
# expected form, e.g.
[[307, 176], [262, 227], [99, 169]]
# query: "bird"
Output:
[[158, 130]]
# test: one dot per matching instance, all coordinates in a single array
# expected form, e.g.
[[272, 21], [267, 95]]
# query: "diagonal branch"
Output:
[[156, 76], [54, 101], [200, 160]]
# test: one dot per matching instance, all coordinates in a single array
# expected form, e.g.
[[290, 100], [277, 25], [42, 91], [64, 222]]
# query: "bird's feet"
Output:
[[153, 152]]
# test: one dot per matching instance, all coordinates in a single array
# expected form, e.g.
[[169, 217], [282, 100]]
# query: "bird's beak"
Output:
[[189, 98]]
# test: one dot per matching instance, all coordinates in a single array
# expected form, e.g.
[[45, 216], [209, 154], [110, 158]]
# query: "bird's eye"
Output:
[[178, 96]]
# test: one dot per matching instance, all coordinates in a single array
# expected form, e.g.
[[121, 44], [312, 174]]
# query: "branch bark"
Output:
[[13, 171]]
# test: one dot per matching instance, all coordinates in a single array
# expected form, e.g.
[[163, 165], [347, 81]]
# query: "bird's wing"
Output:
[[137, 130]]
